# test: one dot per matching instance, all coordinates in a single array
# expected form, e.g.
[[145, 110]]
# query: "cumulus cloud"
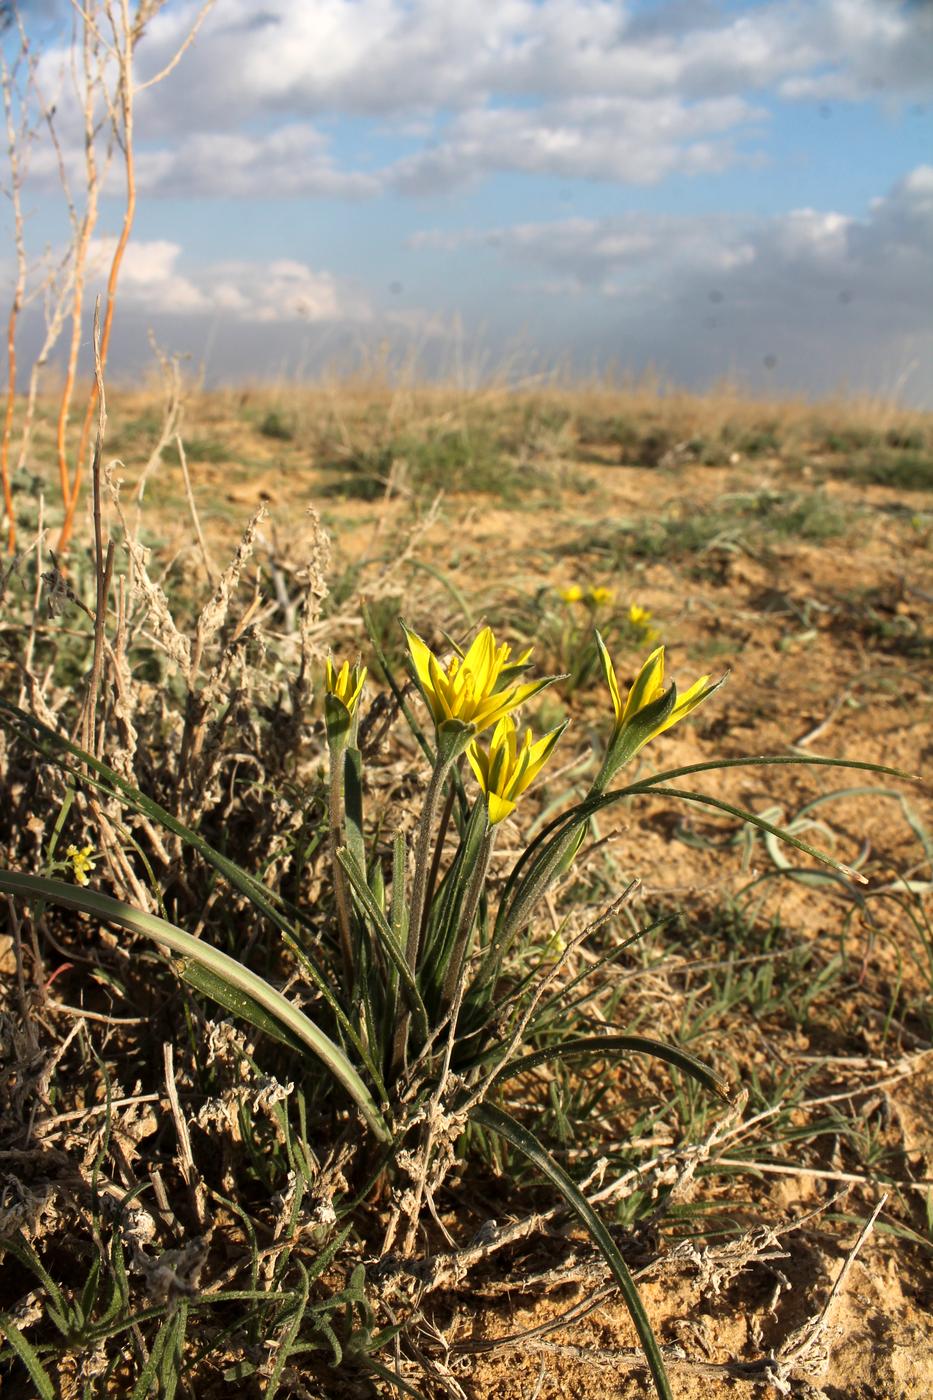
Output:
[[588, 89], [608, 255], [887, 254], [635, 141], [290, 161], [822, 295], [386, 56], [279, 291]]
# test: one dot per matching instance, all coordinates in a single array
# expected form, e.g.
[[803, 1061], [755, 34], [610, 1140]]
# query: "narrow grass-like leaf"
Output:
[[21, 1249], [370, 1363], [501, 1123], [605, 1045], [172, 1359], [555, 829], [286, 1341], [89, 1293], [371, 911], [161, 931], [353, 805], [51, 745], [238, 1003], [705, 800], [39, 1376]]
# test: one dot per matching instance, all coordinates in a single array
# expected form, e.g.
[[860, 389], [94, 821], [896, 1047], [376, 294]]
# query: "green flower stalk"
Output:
[[342, 693]]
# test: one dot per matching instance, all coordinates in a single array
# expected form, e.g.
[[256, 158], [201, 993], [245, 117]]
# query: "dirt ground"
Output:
[[827, 645], [813, 591]]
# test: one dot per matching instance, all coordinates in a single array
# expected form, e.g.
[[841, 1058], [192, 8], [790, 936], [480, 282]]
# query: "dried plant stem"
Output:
[[103, 564], [125, 61], [16, 304], [189, 495]]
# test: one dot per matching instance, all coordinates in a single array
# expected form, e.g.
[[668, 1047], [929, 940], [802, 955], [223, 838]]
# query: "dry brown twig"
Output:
[[106, 36]]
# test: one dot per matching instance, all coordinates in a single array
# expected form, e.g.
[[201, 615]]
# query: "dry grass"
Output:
[[172, 1186]]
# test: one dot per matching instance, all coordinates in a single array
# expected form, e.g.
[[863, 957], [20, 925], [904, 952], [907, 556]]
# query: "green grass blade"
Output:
[[39, 1376], [238, 1003], [766, 760], [781, 833], [380, 925], [501, 1123], [51, 745], [171, 1362], [555, 829], [290, 1332], [605, 1045], [233, 973]]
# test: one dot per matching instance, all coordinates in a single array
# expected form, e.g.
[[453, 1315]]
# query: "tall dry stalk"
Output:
[[104, 42]]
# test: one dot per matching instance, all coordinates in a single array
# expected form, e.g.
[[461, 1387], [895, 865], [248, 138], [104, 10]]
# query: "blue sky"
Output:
[[709, 188]]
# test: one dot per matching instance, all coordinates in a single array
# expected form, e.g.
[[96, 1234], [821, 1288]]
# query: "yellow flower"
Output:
[[595, 597], [80, 862], [476, 688], [506, 770], [572, 594], [342, 691], [345, 685], [647, 709], [640, 619]]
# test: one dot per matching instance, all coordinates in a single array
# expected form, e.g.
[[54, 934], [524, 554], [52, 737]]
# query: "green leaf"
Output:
[[51, 745], [26, 1353], [353, 805], [497, 1121], [294, 1021], [380, 926], [604, 1046], [285, 1343], [238, 1003]]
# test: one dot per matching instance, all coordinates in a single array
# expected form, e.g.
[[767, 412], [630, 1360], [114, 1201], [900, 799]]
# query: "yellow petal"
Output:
[[648, 685], [687, 702], [609, 671], [480, 658], [479, 762], [421, 655], [499, 808]]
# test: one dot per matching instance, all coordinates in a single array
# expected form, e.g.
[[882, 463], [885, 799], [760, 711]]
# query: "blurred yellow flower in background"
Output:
[[640, 619]]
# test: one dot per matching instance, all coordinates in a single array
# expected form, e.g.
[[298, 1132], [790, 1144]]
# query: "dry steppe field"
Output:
[[180, 1203]]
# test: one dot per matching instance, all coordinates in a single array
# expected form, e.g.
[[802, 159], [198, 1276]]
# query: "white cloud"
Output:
[[290, 161], [823, 296], [610, 255], [637, 141], [887, 254], [389, 56], [278, 291], [589, 89]]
